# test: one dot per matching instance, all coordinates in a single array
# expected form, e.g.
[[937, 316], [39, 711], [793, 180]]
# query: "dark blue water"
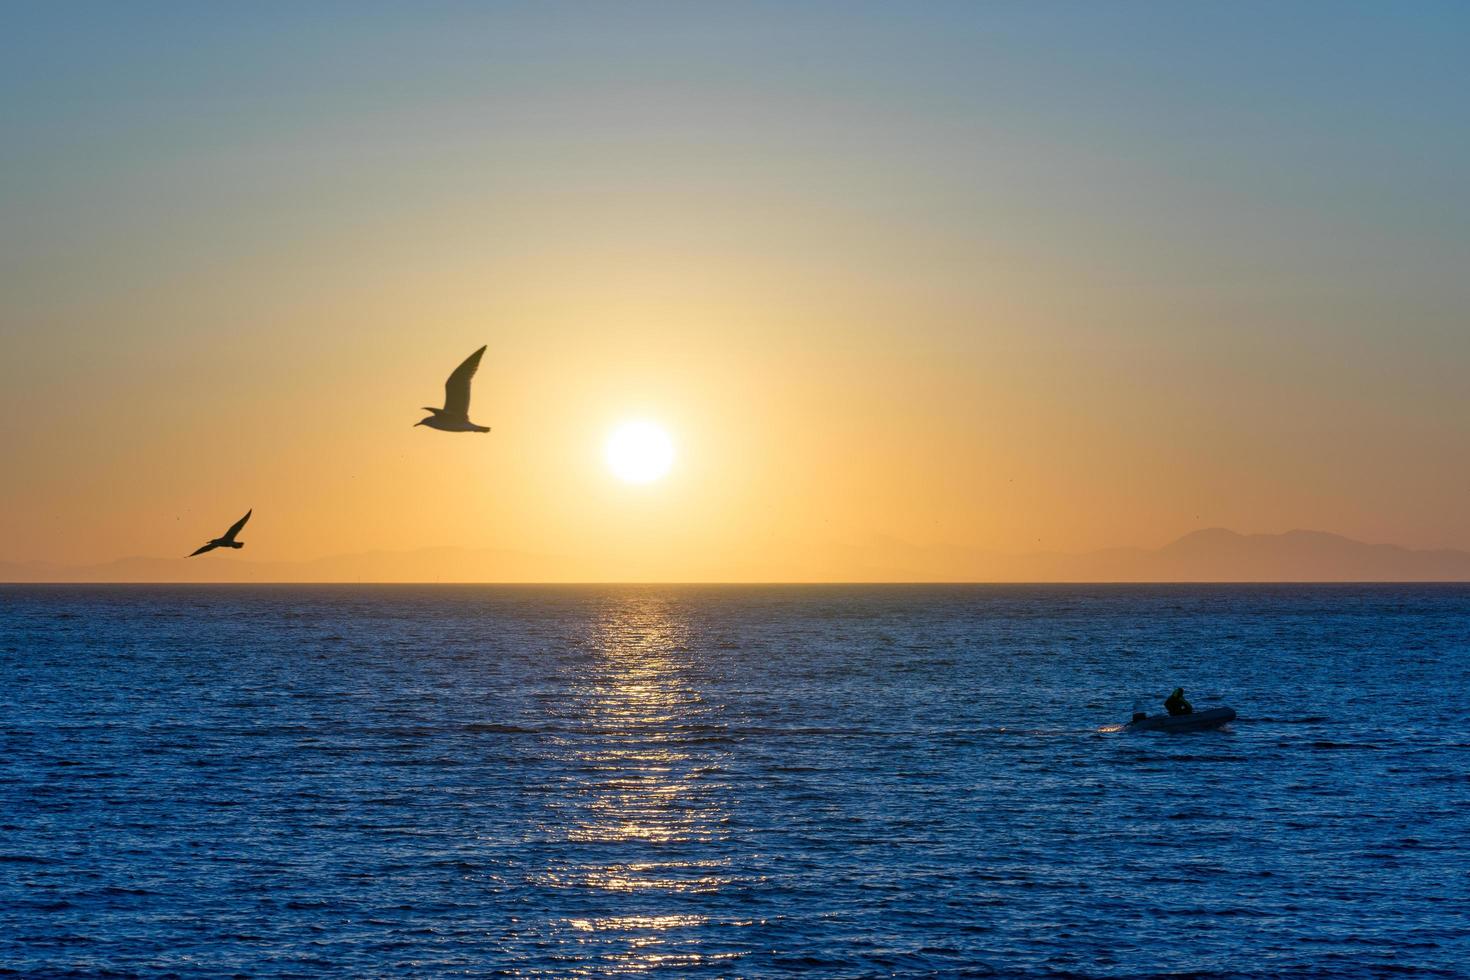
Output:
[[834, 781]]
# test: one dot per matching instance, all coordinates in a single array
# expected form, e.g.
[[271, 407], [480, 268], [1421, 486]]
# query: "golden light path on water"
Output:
[[643, 807]]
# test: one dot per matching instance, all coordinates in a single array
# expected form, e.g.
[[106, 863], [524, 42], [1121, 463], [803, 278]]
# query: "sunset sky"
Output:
[[1005, 277]]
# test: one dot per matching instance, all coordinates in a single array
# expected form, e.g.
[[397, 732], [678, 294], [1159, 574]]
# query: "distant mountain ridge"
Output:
[[1221, 555], [1210, 555], [424, 565]]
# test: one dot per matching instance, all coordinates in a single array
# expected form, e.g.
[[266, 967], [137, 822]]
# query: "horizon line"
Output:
[[978, 549], [768, 583]]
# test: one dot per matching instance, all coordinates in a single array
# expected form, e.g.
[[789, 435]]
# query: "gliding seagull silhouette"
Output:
[[455, 415], [227, 540]]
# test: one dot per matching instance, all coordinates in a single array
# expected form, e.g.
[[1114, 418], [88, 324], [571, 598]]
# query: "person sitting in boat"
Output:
[[1176, 705]]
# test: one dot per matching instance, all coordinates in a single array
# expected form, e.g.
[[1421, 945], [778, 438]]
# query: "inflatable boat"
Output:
[[1196, 721]]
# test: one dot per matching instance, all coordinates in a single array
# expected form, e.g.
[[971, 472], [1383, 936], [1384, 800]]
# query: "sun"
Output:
[[639, 452]]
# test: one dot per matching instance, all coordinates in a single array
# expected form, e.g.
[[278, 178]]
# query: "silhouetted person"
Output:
[[227, 540], [1176, 705], [455, 415]]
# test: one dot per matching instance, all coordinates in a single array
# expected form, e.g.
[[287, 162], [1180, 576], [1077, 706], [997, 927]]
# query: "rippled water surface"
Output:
[[829, 781]]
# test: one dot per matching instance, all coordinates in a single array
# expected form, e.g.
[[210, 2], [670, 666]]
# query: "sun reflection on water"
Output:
[[640, 812]]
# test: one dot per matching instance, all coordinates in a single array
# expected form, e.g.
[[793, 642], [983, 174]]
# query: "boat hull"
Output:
[[1196, 722]]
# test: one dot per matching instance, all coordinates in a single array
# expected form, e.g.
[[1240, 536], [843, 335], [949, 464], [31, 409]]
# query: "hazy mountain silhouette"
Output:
[[419, 565], [1213, 555], [1220, 555]]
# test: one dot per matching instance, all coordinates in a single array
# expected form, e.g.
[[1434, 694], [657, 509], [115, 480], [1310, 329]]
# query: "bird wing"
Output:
[[457, 388], [235, 527], [208, 547]]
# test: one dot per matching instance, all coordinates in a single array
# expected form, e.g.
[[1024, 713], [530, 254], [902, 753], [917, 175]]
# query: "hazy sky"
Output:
[[1004, 276]]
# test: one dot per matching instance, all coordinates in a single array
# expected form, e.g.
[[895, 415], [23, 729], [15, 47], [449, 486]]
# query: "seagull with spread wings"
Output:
[[455, 415], [227, 540]]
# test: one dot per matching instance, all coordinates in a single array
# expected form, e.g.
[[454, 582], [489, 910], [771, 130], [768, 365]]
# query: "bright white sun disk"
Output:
[[639, 452]]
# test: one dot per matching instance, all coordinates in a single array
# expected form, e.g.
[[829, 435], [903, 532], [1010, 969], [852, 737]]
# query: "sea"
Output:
[[732, 781]]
